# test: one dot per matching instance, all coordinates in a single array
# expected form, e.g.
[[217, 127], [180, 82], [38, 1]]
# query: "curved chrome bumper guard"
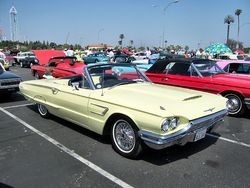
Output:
[[184, 135]]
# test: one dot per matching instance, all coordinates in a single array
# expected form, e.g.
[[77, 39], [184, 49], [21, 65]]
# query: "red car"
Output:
[[204, 75], [58, 66]]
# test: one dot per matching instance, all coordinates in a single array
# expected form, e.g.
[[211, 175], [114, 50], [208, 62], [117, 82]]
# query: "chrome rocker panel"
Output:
[[247, 102]]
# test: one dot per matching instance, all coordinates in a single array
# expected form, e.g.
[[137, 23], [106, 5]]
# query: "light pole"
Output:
[[238, 35], [99, 31], [164, 13]]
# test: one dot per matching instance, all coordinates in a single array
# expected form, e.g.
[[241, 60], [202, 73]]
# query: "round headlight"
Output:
[[174, 123], [165, 125], [169, 124]]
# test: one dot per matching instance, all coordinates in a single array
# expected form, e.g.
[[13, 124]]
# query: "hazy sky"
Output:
[[188, 22]]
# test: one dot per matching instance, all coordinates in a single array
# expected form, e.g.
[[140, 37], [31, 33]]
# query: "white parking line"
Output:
[[16, 106], [70, 152], [229, 140]]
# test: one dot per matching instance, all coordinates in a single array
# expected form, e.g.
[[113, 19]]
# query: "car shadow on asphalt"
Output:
[[14, 97], [177, 152], [75, 127], [156, 157], [5, 186], [246, 114]]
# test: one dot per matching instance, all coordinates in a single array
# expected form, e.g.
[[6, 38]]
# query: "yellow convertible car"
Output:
[[120, 101]]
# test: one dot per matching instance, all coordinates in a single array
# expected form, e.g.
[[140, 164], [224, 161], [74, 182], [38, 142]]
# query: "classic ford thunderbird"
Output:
[[120, 101]]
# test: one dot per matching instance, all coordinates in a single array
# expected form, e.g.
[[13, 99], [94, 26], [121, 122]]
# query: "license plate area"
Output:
[[200, 133]]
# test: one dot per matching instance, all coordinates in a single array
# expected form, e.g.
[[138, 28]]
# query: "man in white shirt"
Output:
[[70, 52]]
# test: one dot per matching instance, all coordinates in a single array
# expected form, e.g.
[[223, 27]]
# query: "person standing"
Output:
[[70, 52]]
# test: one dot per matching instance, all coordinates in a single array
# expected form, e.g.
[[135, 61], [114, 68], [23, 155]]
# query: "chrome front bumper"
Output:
[[187, 134]]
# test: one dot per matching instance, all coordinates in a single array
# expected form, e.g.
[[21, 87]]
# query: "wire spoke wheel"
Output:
[[125, 139], [124, 136]]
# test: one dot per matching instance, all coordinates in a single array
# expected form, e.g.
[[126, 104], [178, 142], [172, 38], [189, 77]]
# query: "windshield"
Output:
[[110, 75], [208, 68]]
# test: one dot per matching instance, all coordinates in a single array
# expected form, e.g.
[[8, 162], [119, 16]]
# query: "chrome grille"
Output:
[[208, 120], [9, 82]]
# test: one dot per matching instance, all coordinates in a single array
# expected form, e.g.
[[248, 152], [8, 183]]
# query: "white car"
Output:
[[140, 55], [23, 55]]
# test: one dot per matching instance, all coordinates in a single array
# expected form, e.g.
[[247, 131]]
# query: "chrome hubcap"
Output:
[[233, 104], [42, 109], [124, 136], [36, 76]]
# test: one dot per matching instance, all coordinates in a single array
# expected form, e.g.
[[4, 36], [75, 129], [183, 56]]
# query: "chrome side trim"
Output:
[[105, 109]]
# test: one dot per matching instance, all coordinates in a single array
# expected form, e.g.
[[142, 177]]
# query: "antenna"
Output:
[[103, 81]]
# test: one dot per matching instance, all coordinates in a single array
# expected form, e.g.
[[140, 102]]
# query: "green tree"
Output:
[[228, 20], [131, 42], [186, 48], [237, 13]]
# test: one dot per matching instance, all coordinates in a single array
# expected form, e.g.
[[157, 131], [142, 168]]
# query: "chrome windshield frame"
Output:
[[89, 77], [211, 65]]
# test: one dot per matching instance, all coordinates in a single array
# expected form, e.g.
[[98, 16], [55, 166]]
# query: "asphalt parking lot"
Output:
[[37, 152]]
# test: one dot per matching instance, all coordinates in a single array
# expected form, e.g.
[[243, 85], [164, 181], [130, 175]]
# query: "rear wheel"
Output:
[[235, 104], [43, 111], [125, 140], [36, 75]]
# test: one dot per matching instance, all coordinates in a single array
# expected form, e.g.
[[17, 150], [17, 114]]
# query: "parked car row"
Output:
[[200, 74], [135, 108]]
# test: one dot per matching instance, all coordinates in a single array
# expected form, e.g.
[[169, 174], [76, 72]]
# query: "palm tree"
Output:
[[131, 42], [237, 13], [121, 36], [228, 20]]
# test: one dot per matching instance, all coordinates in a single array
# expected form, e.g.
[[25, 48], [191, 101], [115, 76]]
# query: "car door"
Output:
[[71, 102]]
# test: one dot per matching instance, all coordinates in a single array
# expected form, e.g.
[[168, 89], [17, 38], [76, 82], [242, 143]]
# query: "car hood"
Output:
[[236, 80], [44, 55], [8, 75], [162, 100]]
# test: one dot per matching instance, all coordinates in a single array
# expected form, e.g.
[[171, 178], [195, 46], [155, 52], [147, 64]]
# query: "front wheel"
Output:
[[43, 111], [36, 75], [235, 104], [125, 138]]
